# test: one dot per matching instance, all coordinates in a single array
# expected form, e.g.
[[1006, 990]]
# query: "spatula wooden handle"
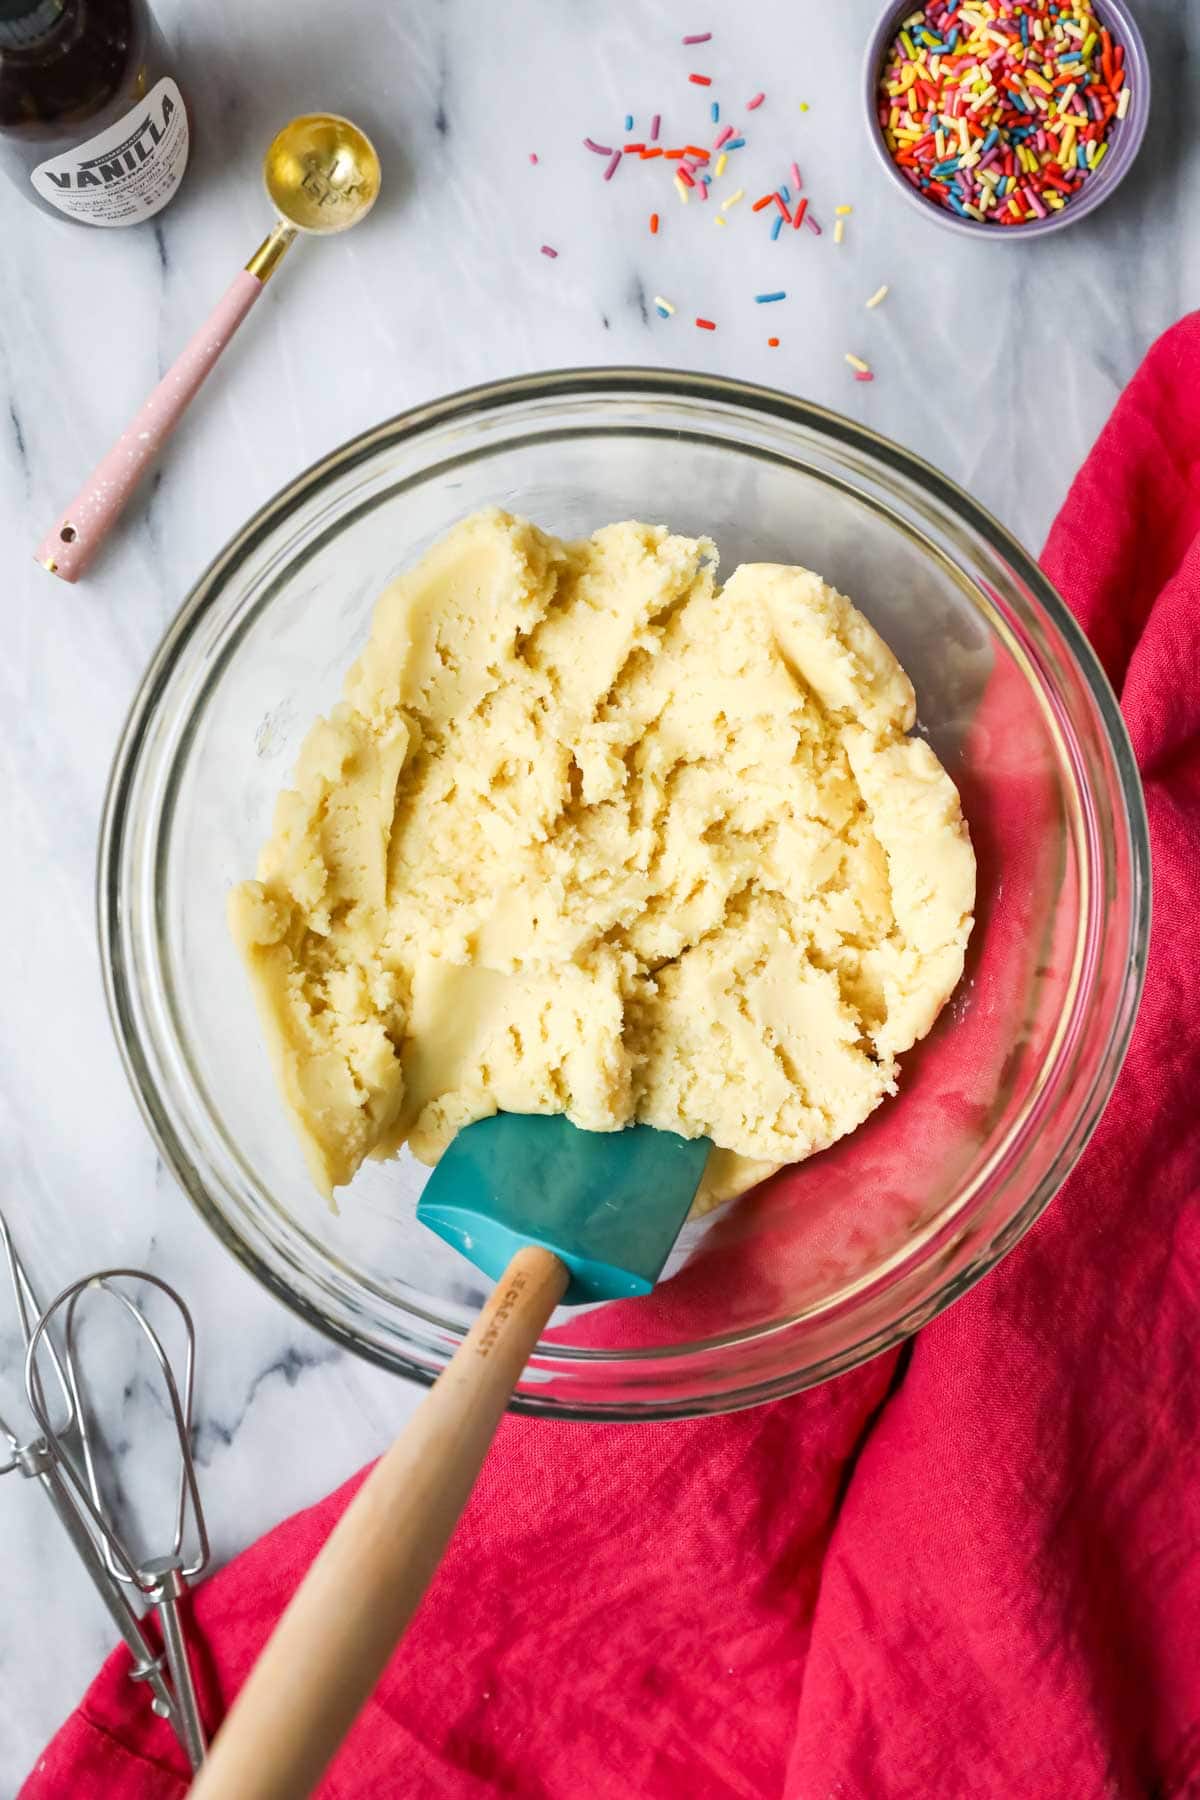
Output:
[[333, 1641]]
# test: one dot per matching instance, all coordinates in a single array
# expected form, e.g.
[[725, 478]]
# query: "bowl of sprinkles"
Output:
[[1015, 116]]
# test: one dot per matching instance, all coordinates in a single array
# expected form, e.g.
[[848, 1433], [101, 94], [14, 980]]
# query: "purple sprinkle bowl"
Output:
[[1124, 137]]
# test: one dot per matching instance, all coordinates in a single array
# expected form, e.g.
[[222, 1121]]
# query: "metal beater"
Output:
[[63, 1459]]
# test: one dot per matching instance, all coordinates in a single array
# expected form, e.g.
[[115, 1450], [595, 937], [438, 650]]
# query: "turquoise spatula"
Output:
[[555, 1215], [607, 1204]]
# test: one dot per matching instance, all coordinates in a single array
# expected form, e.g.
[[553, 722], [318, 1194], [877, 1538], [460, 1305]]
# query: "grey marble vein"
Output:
[[999, 362]]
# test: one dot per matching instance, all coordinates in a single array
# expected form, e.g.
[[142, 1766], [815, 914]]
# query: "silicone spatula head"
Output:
[[610, 1204]]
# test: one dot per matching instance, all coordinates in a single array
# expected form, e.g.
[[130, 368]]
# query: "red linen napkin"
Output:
[[968, 1569]]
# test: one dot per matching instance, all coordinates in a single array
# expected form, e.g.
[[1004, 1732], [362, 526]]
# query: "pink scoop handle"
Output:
[[68, 549]]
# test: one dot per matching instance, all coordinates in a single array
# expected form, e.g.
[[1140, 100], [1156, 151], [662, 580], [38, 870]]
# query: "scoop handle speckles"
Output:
[[70, 546], [322, 175], [342, 1624]]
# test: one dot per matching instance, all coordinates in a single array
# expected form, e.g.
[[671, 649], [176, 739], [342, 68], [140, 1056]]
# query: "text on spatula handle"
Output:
[[503, 1313]]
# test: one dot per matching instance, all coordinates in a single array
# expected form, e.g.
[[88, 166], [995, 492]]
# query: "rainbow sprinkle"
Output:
[[549, 250], [533, 156], [693, 169], [999, 110], [879, 294], [698, 37]]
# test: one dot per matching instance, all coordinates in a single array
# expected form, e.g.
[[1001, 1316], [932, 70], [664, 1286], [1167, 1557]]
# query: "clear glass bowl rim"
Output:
[[632, 383]]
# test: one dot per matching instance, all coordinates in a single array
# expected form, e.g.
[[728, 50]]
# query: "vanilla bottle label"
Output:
[[126, 173]]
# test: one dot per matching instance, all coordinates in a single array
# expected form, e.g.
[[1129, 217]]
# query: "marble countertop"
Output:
[[997, 361]]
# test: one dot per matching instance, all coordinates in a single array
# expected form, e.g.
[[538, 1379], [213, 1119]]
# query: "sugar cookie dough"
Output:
[[592, 834]]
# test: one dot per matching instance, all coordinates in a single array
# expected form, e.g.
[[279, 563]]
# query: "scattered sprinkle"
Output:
[[811, 222], [680, 189], [796, 181], [664, 306], [721, 161], [654, 228], [698, 37], [651, 151], [782, 204], [600, 149], [724, 137], [629, 121], [777, 227], [753, 105], [733, 199], [632, 149], [714, 112], [804, 106], [549, 250], [701, 80], [879, 294], [612, 167], [839, 231], [735, 143], [856, 362], [533, 156], [765, 201], [706, 324], [801, 209], [765, 299], [655, 122], [773, 343], [843, 212], [720, 219], [863, 375]]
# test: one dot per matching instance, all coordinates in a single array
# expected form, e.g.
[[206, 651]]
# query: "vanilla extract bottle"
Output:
[[92, 123]]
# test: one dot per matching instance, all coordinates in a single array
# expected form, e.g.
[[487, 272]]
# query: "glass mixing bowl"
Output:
[[831, 1261]]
